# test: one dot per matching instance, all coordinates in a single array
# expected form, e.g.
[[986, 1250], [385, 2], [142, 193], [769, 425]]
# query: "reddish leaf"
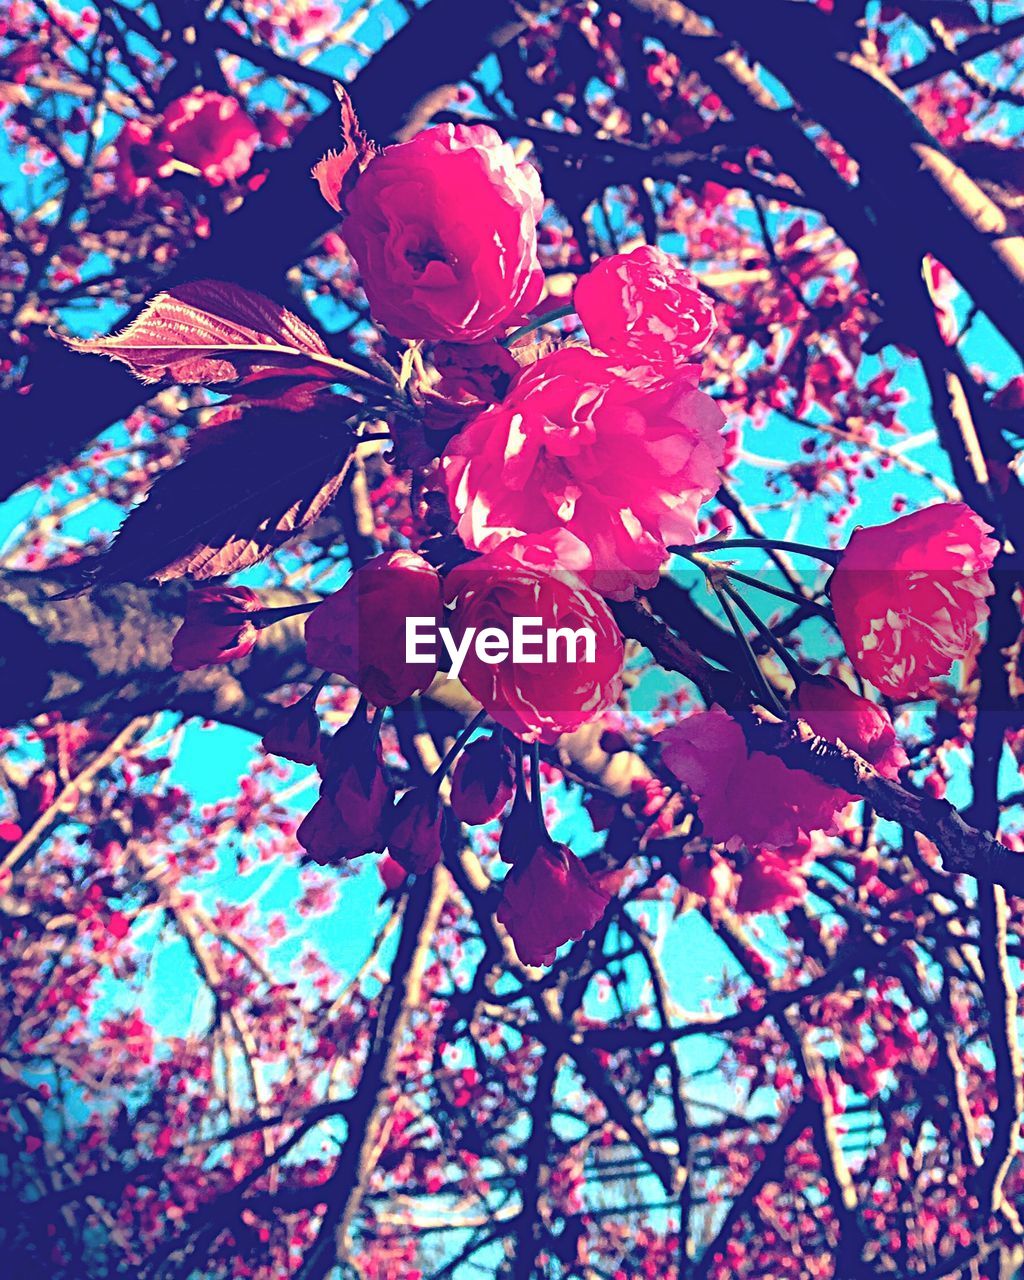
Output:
[[210, 331], [244, 488], [270, 389], [337, 170]]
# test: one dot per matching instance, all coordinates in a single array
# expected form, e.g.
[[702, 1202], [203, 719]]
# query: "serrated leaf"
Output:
[[337, 170], [244, 488], [210, 331]]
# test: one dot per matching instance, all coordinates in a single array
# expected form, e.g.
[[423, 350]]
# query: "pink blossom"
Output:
[[137, 161], [909, 595], [834, 711], [217, 627], [770, 882], [444, 231], [643, 309], [575, 447], [745, 797], [210, 132]]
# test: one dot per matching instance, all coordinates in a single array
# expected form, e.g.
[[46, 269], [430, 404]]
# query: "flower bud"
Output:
[[324, 835], [216, 627], [483, 781], [417, 831], [549, 898], [356, 786], [294, 734], [392, 875], [359, 632]]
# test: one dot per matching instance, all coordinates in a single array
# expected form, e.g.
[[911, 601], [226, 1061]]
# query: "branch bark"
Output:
[[935, 202]]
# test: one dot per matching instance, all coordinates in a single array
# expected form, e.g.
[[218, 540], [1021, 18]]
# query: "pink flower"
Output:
[[294, 733], [770, 882], [541, 699], [549, 898], [356, 783], [444, 230], [482, 781], [708, 875], [909, 595], [834, 711], [301, 22], [210, 132], [575, 447], [745, 797], [216, 628], [645, 310], [359, 632]]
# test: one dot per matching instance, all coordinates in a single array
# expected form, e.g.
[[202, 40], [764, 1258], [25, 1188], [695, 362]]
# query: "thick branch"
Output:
[[932, 199], [110, 652]]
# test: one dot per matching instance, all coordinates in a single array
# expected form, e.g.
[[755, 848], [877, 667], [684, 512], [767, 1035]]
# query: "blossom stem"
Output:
[[535, 796], [316, 688], [750, 581], [762, 687], [708, 567], [520, 775], [826, 554], [449, 756], [795, 670], [559, 313], [267, 617]]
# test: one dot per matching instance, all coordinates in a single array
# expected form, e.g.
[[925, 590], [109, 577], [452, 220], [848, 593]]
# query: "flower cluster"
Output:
[[554, 487]]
